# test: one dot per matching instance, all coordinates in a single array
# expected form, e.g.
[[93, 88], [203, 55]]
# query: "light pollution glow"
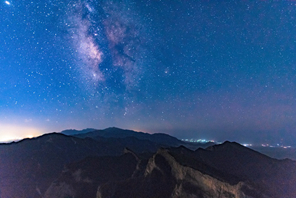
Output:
[[10, 132]]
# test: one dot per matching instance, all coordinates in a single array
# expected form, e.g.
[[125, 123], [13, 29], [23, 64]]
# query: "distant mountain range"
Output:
[[124, 163], [114, 132]]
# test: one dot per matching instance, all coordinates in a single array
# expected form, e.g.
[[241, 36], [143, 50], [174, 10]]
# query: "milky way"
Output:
[[108, 42]]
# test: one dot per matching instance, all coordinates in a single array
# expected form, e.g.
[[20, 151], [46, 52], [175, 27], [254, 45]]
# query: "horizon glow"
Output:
[[15, 132]]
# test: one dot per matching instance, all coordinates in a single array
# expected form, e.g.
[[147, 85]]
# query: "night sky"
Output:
[[222, 70]]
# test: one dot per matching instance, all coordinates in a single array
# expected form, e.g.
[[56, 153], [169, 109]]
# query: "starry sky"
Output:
[[222, 70]]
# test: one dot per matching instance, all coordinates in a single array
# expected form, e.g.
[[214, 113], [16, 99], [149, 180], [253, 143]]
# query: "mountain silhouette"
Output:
[[114, 132], [123, 163], [180, 172]]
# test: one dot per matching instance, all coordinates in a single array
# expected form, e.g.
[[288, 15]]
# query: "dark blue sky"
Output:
[[193, 69]]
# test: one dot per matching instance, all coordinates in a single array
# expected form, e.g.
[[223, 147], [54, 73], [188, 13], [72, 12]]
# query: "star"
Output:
[[212, 73]]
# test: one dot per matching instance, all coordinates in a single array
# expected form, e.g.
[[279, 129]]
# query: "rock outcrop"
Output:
[[173, 172], [164, 176]]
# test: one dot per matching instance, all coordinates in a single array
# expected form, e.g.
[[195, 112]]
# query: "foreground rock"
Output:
[[227, 170]]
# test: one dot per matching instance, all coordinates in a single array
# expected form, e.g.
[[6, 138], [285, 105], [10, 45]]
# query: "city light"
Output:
[[276, 145]]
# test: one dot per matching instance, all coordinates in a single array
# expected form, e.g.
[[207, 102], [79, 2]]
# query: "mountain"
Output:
[[114, 132], [179, 172], [75, 132], [28, 167], [159, 176], [160, 139], [123, 163], [82, 179], [274, 178]]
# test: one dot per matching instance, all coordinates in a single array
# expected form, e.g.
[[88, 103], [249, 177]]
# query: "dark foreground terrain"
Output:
[[122, 163]]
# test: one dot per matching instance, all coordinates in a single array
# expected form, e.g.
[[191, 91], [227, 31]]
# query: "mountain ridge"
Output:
[[41, 166]]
